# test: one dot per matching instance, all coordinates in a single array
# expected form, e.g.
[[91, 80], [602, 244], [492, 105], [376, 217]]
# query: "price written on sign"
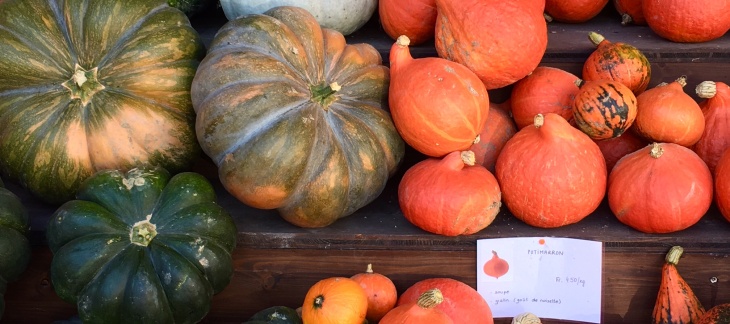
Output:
[[558, 278]]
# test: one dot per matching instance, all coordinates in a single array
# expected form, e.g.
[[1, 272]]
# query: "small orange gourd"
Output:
[[421, 311], [380, 290], [718, 314], [676, 302], [335, 300], [496, 266], [617, 61], [604, 109]]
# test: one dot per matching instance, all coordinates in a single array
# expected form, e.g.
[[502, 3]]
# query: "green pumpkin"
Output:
[[275, 315], [191, 7], [87, 85], [14, 246], [141, 247]]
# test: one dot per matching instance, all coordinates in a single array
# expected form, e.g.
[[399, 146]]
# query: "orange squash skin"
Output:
[[498, 129], [461, 302], [604, 109], [676, 302], [687, 21], [631, 11], [421, 311], [648, 193], [617, 62], [545, 90], [574, 11], [614, 149], [716, 136], [380, 290], [335, 300], [552, 175], [722, 185], [413, 18], [719, 314]]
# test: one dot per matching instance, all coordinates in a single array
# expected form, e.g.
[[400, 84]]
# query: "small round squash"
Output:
[[381, 292], [15, 249], [461, 302], [604, 109], [335, 300], [617, 61]]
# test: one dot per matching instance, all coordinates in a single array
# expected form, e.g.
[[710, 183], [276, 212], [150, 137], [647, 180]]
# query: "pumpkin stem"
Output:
[[682, 80], [370, 268], [595, 38], [656, 150], [403, 40], [526, 318], [674, 254], [323, 93], [83, 84], [143, 232], [579, 83], [318, 302], [626, 19], [468, 157], [538, 121], [706, 89], [547, 17], [430, 298]]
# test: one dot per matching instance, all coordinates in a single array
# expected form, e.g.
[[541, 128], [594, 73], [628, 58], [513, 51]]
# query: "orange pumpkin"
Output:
[[498, 129], [666, 114], [451, 115], [414, 18], [551, 174], [545, 90], [716, 108], [676, 302], [688, 21], [619, 62], [661, 188], [335, 300], [604, 109], [421, 311], [722, 185], [380, 290], [631, 12], [461, 302], [614, 149], [573, 11]]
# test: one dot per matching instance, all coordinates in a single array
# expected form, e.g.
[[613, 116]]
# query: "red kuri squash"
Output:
[[423, 310], [461, 302], [716, 108], [380, 290], [619, 62], [676, 302], [545, 90], [604, 109], [614, 149], [573, 11], [631, 11], [688, 21], [722, 185], [438, 106], [414, 18], [498, 129]]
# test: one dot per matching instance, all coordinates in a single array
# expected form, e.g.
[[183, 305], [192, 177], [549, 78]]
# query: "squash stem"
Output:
[[143, 232], [706, 89], [323, 93], [430, 298], [674, 254]]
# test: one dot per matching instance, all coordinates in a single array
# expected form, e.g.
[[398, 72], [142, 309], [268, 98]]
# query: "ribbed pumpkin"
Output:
[[461, 302], [415, 19], [722, 185], [614, 149], [335, 300], [719, 314], [573, 11], [87, 85], [619, 62], [631, 12], [551, 174], [449, 196], [675, 302], [15, 249], [667, 114], [498, 129], [604, 109], [421, 311], [716, 108], [380, 291], [279, 91], [688, 21], [661, 188], [452, 114], [500, 53], [545, 90], [141, 246]]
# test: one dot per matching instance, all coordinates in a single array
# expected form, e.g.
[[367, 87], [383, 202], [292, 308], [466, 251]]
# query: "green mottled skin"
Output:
[[603, 112], [275, 315], [172, 279], [134, 108], [191, 7], [14, 246]]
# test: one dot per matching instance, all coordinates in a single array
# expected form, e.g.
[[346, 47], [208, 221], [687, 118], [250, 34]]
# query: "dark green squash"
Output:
[[87, 85], [275, 315], [191, 7], [141, 247], [14, 246]]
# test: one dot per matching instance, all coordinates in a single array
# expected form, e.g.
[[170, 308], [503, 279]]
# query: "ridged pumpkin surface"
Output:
[[604, 109], [619, 62], [675, 302], [15, 250], [294, 117], [87, 85]]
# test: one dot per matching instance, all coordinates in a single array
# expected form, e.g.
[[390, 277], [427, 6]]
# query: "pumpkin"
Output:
[[687, 21], [141, 246], [619, 62], [498, 129], [667, 114], [573, 11], [416, 19], [345, 17], [335, 300], [722, 185], [676, 302], [422, 310], [614, 149], [461, 302], [551, 174], [277, 90], [604, 109], [646, 192], [380, 290], [718, 314], [15, 249], [449, 196], [499, 56], [453, 113], [715, 138], [275, 315], [631, 11], [545, 90], [108, 91], [191, 7]]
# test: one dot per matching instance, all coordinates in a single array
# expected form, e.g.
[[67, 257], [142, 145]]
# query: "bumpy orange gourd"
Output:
[[500, 53], [716, 108], [676, 302], [604, 109], [614, 149], [335, 300], [437, 106], [449, 196], [414, 18], [666, 114], [718, 314], [461, 302], [722, 185], [496, 266], [380, 290], [631, 12], [688, 21], [551, 174], [545, 90], [661, 188], [573, 11], [619, 62], [498, 129], [421, 311]]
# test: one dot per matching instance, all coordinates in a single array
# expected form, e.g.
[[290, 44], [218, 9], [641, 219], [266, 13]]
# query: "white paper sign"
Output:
[[557, 278]]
